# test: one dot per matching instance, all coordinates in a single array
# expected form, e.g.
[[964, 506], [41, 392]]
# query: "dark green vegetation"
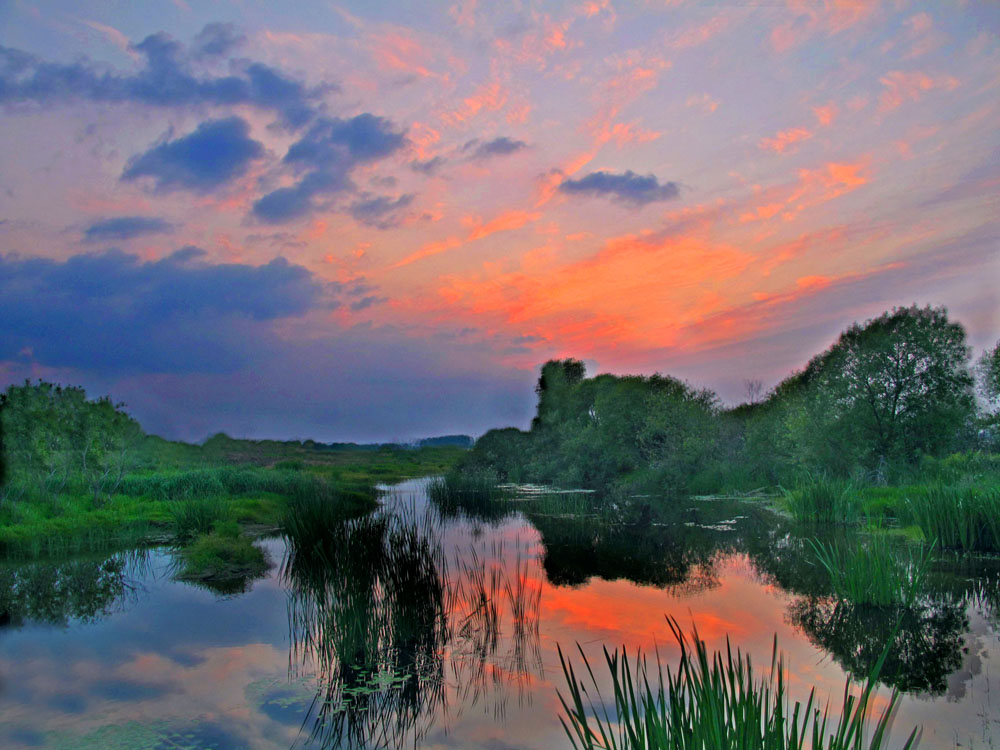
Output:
[[714, 702], [873, 571], [884, 426]]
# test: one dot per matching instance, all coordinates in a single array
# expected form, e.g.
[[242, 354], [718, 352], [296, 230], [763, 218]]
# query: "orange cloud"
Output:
[[398, 51], [488, 97], [901, 87], [502, 223], [638, 290], [826, 114], [780, 143], [431, 248], [815, 186]]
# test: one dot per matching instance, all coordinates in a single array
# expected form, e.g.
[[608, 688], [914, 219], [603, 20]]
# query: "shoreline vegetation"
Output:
[[891, 428], [81, 476]]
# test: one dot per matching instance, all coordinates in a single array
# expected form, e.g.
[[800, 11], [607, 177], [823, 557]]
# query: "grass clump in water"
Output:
[[962, 518], [223, 554], [197, 516], [823, 500], [714, 702], [316, 512], [475, 492], [875, 573]]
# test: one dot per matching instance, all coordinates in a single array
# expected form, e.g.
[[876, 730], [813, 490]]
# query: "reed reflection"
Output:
[[399, 639]]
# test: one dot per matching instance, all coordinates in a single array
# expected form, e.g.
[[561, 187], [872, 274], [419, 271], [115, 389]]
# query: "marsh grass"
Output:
[[965, 518], [875, 572], [713, 702], [222, 554], [475, 493], [198, 515], [822, 500]]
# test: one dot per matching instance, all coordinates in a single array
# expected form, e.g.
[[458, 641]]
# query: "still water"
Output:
[[415, 630]]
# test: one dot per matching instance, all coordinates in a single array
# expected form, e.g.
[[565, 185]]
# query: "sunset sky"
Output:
[[361, 221]]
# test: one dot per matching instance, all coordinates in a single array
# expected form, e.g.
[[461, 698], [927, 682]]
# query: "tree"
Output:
[[894, 388], [988, 372]]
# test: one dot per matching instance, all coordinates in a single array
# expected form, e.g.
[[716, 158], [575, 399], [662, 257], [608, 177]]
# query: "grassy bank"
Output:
[[179, 493]]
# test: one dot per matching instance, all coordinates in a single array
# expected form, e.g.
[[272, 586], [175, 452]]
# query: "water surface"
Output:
[[420, 631]]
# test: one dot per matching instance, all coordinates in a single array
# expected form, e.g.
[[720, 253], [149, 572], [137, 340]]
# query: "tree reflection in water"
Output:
[[925, 649], [84, 589]]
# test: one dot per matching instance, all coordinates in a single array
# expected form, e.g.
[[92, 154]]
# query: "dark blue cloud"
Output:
[[326, 154], [365, 302], [630, 188], [215, 153], [428, 166], [125, 228], [332, 141], [112, 312], [501, 146], [167, 79], [379, 211], [216, 39]]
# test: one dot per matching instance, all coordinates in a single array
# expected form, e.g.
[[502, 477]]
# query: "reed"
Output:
[[474, 493], [822, 500], [876, 573], [713, 702], [962, 518], [197, 516]]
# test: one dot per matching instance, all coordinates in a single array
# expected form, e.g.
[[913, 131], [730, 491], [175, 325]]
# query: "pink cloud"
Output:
[[785, 139], [901, 87]]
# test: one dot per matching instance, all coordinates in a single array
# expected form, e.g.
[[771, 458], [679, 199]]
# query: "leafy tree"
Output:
[[894, 388]]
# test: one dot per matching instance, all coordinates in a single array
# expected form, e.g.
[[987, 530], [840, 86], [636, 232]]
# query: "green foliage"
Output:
[[893, 389], [54, 438], [964, 518], [988, 371], [198, 515], [713, 702], [875, 573], [222, 554], [823, 500]]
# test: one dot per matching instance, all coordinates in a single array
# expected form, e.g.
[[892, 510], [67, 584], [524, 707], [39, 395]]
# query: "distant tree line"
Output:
[[886, 395]]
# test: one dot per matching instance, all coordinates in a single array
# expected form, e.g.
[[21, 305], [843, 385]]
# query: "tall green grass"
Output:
[[222, 480], [876, 572], [963, 518], [713, 702], [197, 516], [315, 512], [822, 500]]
